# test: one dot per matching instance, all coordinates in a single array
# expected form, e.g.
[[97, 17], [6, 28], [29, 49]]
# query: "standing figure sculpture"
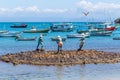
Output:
[[81, 44], [40, 42], [60, 44]]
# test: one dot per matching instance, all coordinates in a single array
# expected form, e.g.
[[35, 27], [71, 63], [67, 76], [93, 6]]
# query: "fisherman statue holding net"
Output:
[[40, 42], [81, 43], [59, 43]]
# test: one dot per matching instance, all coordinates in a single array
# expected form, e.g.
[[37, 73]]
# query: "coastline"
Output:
[[69, 57]]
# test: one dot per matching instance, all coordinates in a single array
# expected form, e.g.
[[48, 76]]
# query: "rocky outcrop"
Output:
[[64, 58], [117, 21]]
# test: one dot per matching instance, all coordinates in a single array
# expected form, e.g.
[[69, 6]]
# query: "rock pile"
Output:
[[65, 58]]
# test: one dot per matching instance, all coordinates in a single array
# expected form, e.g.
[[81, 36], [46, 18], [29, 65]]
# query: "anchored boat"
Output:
[[34, 30], [78, 35], [3, 31], [19, 26], [25, 39], [61, 27], [9, 34], [56, 39]]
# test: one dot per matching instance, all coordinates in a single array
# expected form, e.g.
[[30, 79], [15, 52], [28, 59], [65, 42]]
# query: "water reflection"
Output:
[[70, 73], [60, 72], [75, 72], [82, 72]]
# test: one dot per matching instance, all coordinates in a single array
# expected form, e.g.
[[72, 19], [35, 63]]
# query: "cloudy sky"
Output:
[[58, 10]]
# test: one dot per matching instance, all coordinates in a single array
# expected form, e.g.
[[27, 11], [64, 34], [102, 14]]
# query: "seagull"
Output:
[[86, 13]]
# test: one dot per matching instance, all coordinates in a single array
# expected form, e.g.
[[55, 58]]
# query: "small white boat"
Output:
[[56, 39], [34, 30], [100, 33], [3, 31], [25, 39], [78, 35], [10, 34], [116, 38]]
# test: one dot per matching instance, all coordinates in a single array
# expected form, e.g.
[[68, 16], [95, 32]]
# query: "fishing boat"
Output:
[[34, 30], [78, 35], [25, 39], [102, 30], [19, 26], [61, 27], [116, 38], [101, 33], [3, 31], [82, 31], [110, 28], [56, 39], [107, 26], [10, 34]]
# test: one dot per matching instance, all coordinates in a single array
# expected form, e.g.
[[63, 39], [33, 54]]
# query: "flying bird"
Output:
[[85, 13]]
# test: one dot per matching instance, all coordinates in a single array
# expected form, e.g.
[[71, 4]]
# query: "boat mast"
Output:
[[86, 14], [4, 27], [108, 16]]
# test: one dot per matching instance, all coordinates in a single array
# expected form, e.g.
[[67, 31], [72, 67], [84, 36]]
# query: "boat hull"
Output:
[[26, 39], [78, 35], [21, 26], [3, 31], [37, 31], [10, 34], [110, 28], [101, 33], [56, 39], [117, 38], [62, 27]]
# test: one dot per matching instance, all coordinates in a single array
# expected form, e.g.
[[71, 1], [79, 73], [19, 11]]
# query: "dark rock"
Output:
[[117, 21]]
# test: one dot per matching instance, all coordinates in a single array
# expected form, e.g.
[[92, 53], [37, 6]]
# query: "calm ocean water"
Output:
[[77, 72]]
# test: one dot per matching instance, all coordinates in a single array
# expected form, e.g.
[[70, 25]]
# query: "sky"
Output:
[[59, 10]]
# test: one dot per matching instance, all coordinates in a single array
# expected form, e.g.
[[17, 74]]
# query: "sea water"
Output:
[[76, 72]]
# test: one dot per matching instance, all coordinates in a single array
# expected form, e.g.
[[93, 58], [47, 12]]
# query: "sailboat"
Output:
[[83, 31], [102, 29], [19, 38], [108, 27], [10, 34], [3, 31], [108, 22]]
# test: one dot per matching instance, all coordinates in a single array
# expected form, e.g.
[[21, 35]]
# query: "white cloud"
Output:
[[96, 10], [20, 9], [99, 10], [3, 10], [32, 9], [55, 10], [86, 5]]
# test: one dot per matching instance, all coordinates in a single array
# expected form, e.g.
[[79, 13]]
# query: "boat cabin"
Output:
[[61, 27]]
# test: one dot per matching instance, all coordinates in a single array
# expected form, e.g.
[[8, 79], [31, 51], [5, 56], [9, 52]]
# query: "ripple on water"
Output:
[[76, 72]]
